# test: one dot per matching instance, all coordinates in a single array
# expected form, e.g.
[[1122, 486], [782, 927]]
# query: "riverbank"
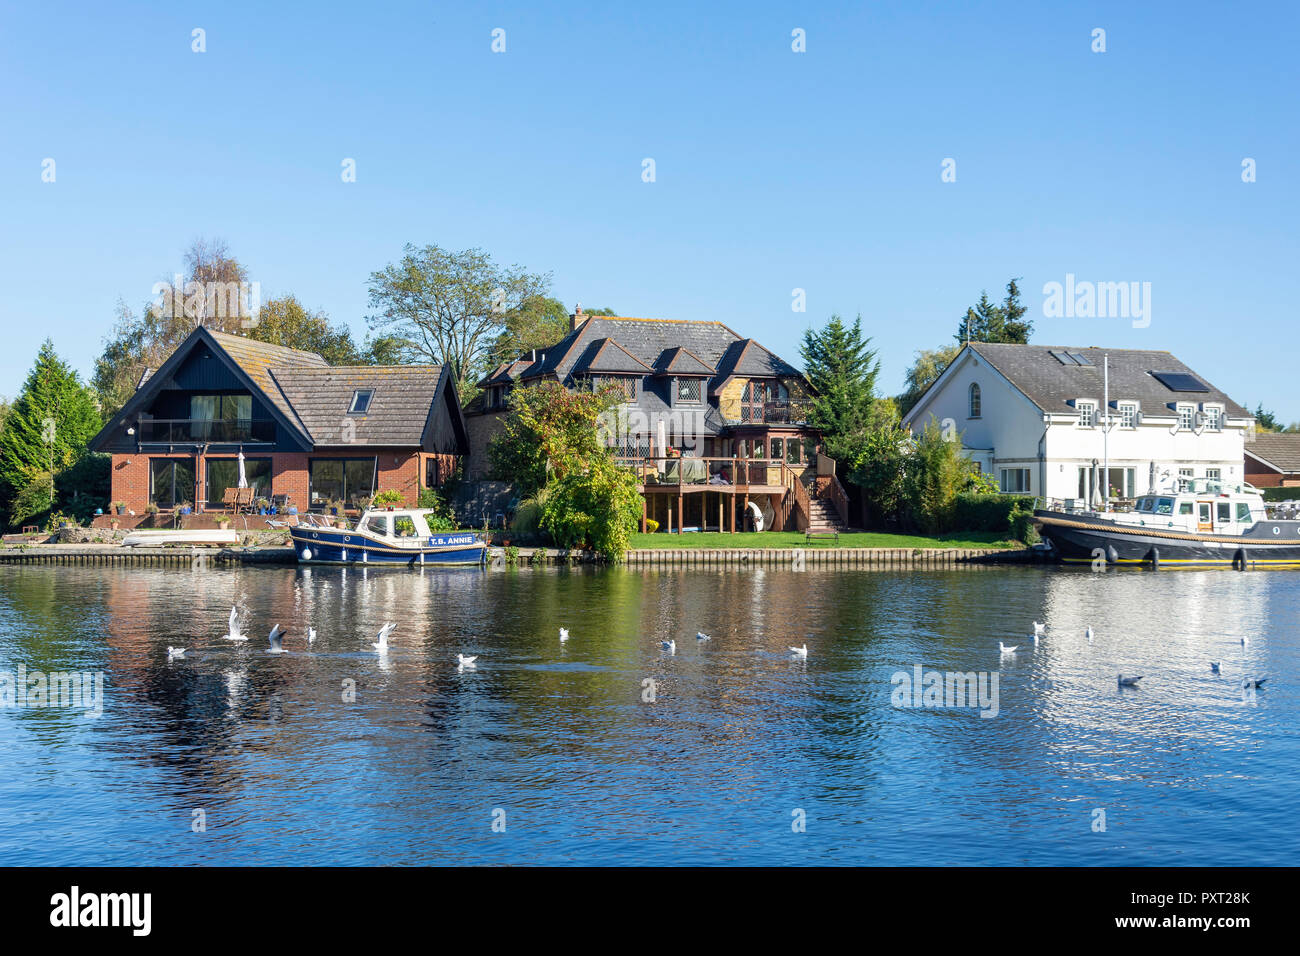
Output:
[[987, 540]]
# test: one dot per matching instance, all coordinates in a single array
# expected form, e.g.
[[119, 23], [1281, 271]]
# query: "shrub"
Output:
[[441, 517], [986, 512], [597, 508], [1022, 525], [390, 496]]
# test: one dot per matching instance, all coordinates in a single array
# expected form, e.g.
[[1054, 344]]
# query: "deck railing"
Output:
[[212, 430], [722, 473]]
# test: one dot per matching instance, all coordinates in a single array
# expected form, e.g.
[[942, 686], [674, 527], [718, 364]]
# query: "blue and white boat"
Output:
[[397, 538]]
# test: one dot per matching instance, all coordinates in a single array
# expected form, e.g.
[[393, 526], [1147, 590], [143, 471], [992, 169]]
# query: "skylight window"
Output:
[[1071, 358], [361, 401]]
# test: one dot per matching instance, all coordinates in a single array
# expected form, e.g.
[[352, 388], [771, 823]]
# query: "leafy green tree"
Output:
[[879, 465], [539, 321], [935, 472], [45, 434], [450, 307], [595, 506], [987, 321], [286, 321], [926, 368], [842, 369], [600, 312]]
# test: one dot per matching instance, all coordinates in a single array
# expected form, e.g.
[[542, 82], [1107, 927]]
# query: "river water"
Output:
[[609, 749]]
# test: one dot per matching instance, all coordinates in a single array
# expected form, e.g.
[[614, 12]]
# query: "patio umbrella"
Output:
[[243, 477]]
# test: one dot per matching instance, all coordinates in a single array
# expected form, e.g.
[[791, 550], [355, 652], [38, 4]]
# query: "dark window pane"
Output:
[[326, 482], [359, 480]]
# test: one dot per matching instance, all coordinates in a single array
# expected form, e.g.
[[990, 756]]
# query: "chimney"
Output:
[[576, 320]]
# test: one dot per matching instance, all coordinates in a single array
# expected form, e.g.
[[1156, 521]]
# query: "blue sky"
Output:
[[775, 170]]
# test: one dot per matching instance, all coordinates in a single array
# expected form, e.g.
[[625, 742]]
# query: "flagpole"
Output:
[[1105, 434]]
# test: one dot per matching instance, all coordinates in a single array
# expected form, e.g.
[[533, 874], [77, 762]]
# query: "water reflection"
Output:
[[339, 754]]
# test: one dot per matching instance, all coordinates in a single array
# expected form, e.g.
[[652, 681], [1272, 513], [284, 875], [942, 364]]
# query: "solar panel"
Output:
[[1180, 382]]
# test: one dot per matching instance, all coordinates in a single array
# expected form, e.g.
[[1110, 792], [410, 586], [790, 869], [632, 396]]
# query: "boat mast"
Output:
[[1105, 434]]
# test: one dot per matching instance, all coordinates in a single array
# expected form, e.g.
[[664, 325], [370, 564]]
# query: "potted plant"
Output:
[[119, 507], [388, 498], [223, 522], [261, 504], [185, 507]]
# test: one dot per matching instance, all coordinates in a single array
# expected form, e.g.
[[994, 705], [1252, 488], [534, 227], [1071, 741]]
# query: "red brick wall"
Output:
[[398, 468]]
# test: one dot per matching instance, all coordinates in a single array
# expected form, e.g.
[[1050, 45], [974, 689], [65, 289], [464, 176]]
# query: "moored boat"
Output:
[[1205, 523], [397, 538], [154, 538]]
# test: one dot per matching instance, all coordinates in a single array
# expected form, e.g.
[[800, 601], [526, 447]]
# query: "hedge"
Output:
[[984, 512], [1280, 494]]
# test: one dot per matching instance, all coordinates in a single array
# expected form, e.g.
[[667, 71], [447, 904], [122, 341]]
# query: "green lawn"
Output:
[[795, 539]]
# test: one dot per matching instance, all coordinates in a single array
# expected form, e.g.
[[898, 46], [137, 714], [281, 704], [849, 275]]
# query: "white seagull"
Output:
[[1039, 629], [669, 646], [701, 636], [1088, 633], [1127, 681], [311, 635], [175, 652], [277, 633], [1245, 641], [1008, 650], [381, 645], [1252, 682], [800, 652], [463, 661], [564, 634], [233, 634], [1214, 667]]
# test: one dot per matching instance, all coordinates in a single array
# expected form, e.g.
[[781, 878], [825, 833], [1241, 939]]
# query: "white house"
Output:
[[1036, 418]]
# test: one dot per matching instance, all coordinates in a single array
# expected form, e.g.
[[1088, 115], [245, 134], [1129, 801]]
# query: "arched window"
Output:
[[974, 400]]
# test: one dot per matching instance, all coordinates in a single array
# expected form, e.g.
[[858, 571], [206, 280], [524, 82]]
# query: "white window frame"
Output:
[[974, 401], [1128, 414], [1186, 417], [1023, 478], [356, 394], [1213, 417], [1087, 410]]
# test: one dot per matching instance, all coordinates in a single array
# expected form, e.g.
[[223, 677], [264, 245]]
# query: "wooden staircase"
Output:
[[824, 516]]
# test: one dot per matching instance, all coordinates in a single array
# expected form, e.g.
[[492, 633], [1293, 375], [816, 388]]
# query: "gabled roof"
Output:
[[606, 355], [682, 361], [1280, 452], [257, 359], [398, 412], [1053, 385], [719, 351]]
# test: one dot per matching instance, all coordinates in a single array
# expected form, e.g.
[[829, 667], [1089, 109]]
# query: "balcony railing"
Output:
[[215, 431], [771, 413], [722, 473]]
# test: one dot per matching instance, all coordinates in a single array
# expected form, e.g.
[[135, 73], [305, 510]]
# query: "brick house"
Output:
[[712, 422], [1272, 460], [312, 434]]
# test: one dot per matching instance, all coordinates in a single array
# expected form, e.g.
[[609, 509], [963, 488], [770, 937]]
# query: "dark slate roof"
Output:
[[682, 361], [398, 412], [506, 372], [1051, 385], [606, 355], [1280, 451], [257, 359], [711, 343]]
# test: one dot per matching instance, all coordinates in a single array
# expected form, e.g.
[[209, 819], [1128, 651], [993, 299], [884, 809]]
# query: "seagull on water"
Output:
[[800, 652], [1008, 650], [1214, 667], [1039, 629], [277, 633], [1248, 682], [1127, 681], [463, 661], [669, 646], [175, 652], [701, 636], [564, 634], [381, 645], [1245, 641], [311, 635], [233, 634], [1088, 633]]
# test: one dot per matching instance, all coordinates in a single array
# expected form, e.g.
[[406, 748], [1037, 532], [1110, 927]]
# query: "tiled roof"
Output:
[[606, 355], [1051, 385], [682, 361], [711, 343], [398, 411], [257, 359], [1280, 451]]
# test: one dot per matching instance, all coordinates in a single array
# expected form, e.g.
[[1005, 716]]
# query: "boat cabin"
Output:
[[1201, 505]]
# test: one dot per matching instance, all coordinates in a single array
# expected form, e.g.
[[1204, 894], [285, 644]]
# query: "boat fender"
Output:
[[306, 554], [1239, 559], [1155, 559], [1112, 556]]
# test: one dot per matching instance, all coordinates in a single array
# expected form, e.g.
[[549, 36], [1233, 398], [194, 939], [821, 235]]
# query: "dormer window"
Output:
[[1087, 414], [1128, 414], [361, 401], [975, 402], [688, 391], [1213, 418], [1186, 417]]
